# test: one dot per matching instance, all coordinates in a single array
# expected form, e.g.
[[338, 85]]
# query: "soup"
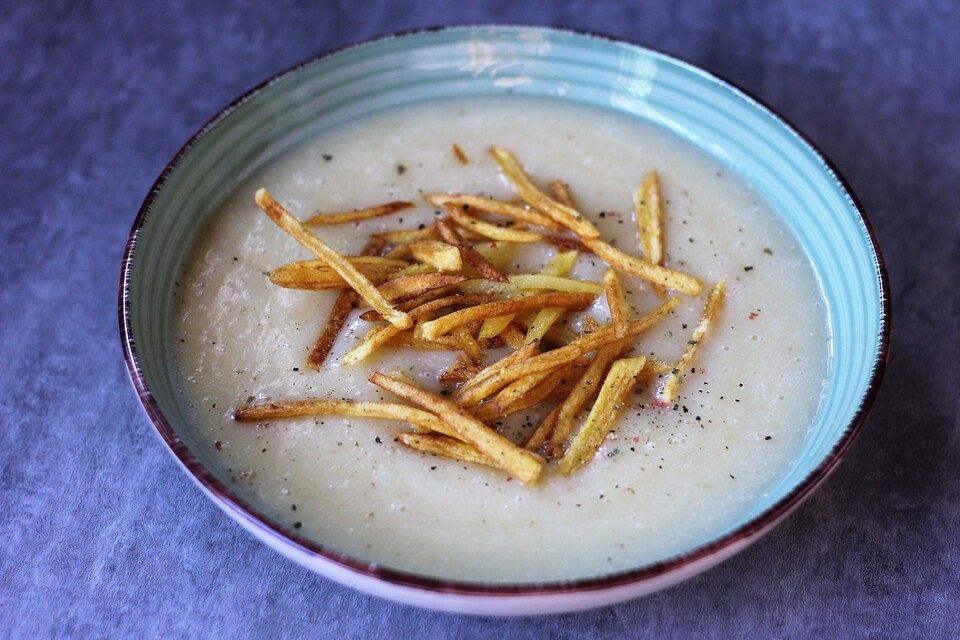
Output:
[[664, 479]]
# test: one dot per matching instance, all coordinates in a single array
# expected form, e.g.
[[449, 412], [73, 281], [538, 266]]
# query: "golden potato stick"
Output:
[[339, 312], [375, 338], [440, 255], [315, 407], [492, 327], [315, 274], [459, 154], [562, 377], [656, 368], [469, 254], [407, 339], [506, 455], [589, 325], [357, 281], [406, 236], [499, 254], [647, 270], [517, 389], [561, 193], [413, 303], [447, 447], [489, 205], [542, 323], [616, 302], [582, 393], [604, 413], [413, 270], [512, 336], [532, 386], [461, 370], [560, 265], [337, 317], [567, 353], [649, 214], [543, 431], [553, 283], [533, 397], [450, 321], [379, 336], [398, 252], [667, 394], [468, 344], [532, 195], [567, 244], [488, 230], [358, 214], [406, 287], [524, 352]]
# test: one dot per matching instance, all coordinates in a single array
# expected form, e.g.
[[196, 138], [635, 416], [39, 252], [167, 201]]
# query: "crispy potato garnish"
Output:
[[543, 431], [506, 455], [582, 393], [560, 265], [492, 231], [423, 420], [524, 352], [357, 281], [649, 215], [407, 287], [491, 412], [450, 321], [667, 394], [358, 214], [440, 255], [656, 367], [468, 344], [469, 254], [406, 236], [567, 244], [553, 283], [461, 370], [642, 268], [513, 337], [616, 301], [528, 391], [339, 312], [379, 336], [447, 447], [542, 323], [492, 327], [317, 274], [561, 192], [604, 413], [407, 339], [532, 195], [459, 154], [508, 209], [558, 357]]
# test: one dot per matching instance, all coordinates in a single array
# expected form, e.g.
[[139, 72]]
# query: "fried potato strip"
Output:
[[505, 454], [667, 394], [357, 281]]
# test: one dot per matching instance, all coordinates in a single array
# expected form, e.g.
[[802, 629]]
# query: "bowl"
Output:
[[723, 121]]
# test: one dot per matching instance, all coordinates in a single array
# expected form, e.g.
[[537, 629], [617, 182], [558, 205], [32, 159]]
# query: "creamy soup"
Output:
[[664, 480]]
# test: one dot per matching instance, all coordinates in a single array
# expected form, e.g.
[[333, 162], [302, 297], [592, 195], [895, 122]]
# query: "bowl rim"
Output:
[[242, 511]]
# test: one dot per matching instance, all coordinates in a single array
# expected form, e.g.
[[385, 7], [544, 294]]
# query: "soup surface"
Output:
[[666, 479]]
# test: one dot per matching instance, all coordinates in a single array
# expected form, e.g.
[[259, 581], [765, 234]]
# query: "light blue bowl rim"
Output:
[[247, 513]]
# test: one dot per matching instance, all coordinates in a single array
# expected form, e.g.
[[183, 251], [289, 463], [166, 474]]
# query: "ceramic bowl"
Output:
[[749, 138]]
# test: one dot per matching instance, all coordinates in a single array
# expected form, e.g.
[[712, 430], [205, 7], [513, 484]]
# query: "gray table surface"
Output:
[[102, 535]]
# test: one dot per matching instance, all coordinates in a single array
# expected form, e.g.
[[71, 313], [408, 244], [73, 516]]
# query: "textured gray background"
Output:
[[101, 534]]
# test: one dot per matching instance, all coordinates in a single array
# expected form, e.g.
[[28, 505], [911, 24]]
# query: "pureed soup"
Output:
[[665, 478]]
